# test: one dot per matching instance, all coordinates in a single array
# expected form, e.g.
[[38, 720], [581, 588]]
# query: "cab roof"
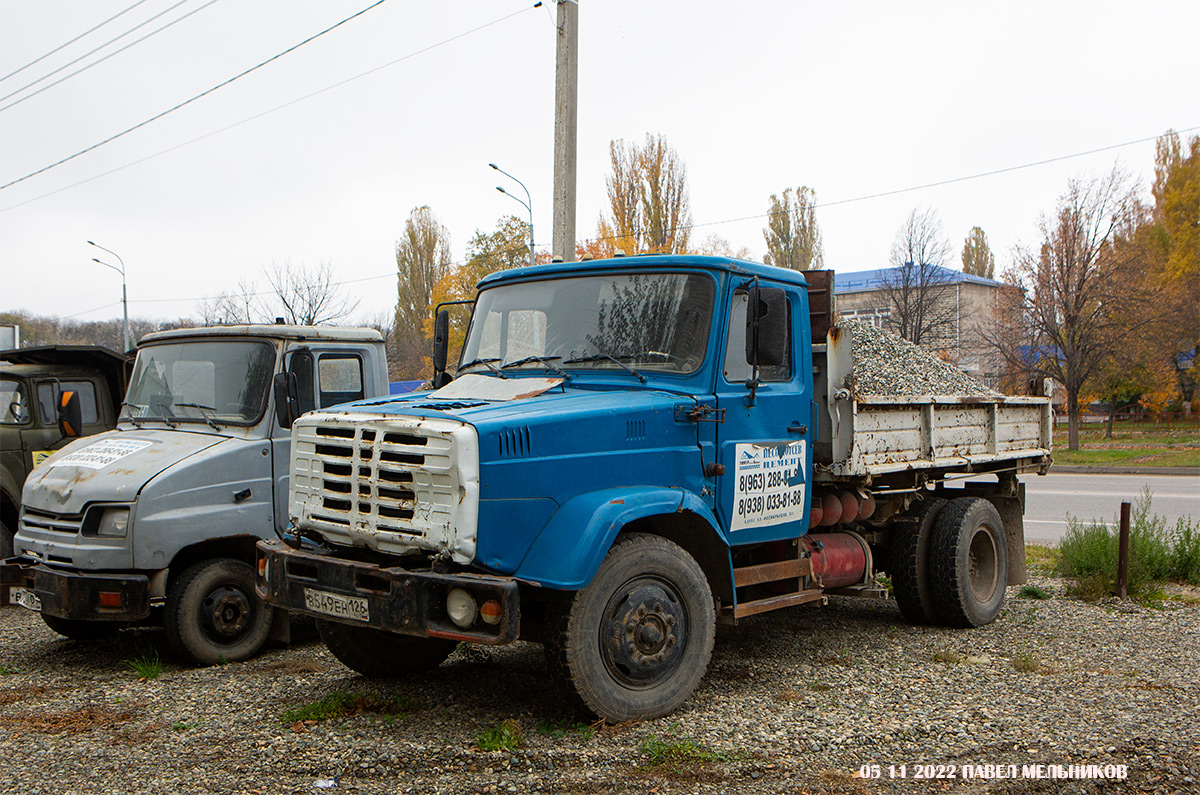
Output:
[[268, 330], [647, 262]]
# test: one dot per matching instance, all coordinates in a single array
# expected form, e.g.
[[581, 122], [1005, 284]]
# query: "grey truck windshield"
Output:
[[647, 321], [222, 382]]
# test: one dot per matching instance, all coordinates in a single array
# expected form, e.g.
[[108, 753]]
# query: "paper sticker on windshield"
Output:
[[768, 484], [100, 454]]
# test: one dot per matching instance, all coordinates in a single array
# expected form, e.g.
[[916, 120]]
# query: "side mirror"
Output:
[[441, 341], [70, 415], [287, 399], [766, 327]]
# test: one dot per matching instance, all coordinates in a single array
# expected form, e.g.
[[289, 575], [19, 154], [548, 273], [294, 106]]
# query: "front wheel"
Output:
[[213, 614], [382, 655], [968, 563], [637, 640]]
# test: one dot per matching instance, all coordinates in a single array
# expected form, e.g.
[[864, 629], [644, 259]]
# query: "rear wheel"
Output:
[[383, 655], [909, 562], [968, 563], [637, 640], [80, 630], [213, 614]]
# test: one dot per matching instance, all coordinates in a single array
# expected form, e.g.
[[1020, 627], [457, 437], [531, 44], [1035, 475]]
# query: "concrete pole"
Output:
[[566, 116]]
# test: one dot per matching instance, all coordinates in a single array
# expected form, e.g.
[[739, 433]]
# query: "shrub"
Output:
[[505, 737]]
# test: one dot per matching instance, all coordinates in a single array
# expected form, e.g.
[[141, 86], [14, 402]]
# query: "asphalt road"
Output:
[[1051, 499]]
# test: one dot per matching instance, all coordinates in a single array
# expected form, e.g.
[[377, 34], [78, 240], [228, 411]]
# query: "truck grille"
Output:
[[67, 523], [393, 484]]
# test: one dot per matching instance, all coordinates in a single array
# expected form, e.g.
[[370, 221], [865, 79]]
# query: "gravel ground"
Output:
[[887, 364], [795, 701]]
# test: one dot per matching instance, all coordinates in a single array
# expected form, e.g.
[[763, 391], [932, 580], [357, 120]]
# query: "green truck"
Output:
[[32, 382]]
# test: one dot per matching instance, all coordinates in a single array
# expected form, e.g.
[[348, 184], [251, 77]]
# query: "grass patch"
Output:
[[557, 731], [507, 736], [344, 705], [1132, 444], [947, 656], [6, 670], [182, 726], [676, 754], [1041, 559], [1033, 592], [1026, 662], [147, 665], [76, 721], [1157, 553]]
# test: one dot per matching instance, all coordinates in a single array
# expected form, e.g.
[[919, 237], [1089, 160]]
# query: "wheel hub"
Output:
[[982, 569], [645, 630], [226, 613]]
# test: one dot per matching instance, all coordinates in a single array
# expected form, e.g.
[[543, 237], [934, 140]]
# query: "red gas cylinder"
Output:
[[839, 559], [815, 513], [849, 506], [867, 508], [831, 510]]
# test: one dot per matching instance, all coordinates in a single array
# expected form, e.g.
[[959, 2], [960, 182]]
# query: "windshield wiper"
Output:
[[212, 423], [132, 419], [602, 356], [486, 363], [546, 360]]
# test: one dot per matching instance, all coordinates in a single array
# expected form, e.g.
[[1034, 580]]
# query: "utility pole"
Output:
[[566, 117]]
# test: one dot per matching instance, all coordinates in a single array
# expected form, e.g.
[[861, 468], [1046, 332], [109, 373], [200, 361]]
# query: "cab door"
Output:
[[764, 442], [44, 437]]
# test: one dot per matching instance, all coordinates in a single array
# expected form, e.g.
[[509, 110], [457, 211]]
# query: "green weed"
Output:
[[147, 666], [6, 670], [507, 736], [182, 726], [344, 705], [1033, 592], [1026, 662], [675, 753], [561, 730]]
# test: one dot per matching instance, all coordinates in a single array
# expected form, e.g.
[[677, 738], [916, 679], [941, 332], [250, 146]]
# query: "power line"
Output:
[[202, 94], [912, 188], [256, 116], [72, 41], [91, 51], [99, 61]]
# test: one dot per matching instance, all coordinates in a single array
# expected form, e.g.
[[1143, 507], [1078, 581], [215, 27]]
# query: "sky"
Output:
[[852, 99]]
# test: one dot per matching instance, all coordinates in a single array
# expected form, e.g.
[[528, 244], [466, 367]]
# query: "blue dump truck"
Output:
[[632, 451]]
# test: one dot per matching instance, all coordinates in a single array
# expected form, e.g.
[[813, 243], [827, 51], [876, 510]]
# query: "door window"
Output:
[[14, 403], [737, 369], [340, 378], [48, 400]]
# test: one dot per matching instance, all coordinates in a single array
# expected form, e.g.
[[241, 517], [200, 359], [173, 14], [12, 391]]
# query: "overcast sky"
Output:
[[849, 98]]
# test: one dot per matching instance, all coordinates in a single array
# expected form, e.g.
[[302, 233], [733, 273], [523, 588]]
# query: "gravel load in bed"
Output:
[[795, 701], [887, 364]]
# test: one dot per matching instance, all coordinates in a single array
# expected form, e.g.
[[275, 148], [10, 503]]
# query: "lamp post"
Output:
[[528, 205], [124, 294]]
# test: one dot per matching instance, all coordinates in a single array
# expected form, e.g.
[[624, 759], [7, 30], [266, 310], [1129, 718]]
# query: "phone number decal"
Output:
[[768, 484]]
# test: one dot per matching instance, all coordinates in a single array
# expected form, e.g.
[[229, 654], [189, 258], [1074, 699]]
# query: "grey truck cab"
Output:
[[157, 519]]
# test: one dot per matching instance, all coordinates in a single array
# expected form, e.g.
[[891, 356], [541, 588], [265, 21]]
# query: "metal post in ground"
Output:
[[1123, 554]]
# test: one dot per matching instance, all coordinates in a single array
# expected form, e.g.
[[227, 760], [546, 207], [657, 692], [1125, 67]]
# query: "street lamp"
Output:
[[528, 205], [124, 294]]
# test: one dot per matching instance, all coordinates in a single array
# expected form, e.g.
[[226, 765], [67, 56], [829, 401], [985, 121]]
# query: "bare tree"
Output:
[[792, 234], [921, 307], [422, 260], [648, 198], [306, 296], [1077, 292]]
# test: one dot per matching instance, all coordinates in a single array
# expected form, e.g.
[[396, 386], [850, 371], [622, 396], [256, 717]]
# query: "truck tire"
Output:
[[909, 562], [637, 640], [81, 630], [213, 614], [377, 654], [968, 563]]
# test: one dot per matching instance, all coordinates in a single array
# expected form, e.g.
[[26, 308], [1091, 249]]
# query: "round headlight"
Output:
[[461, 607]]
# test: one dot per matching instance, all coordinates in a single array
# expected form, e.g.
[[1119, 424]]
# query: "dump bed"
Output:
[[869, 436]]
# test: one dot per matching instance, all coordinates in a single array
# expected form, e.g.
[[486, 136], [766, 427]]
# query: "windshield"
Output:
[[646, 321], [224, 382]]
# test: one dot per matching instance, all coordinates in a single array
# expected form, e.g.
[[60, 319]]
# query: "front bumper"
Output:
[[398, 600], [80, 596]]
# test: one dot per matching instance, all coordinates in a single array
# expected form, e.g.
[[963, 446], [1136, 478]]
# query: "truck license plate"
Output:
[[26, 598], [334, 604]]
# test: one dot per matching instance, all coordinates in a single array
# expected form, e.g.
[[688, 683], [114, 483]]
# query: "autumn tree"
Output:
[[505, 248], [649, 204], [977, 257], [792, 234], [921, 309], [716, 246], [422, 260]]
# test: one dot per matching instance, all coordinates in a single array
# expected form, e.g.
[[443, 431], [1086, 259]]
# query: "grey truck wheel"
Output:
[[637, 640], [383, 655], [968, 563], [213, 614], [909, 562], [81, 630]]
